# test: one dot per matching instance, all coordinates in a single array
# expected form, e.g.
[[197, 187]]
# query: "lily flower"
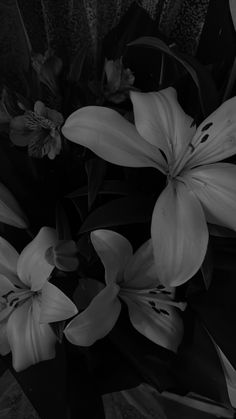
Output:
[[133, 279], [199, 190], [39, 130], [28, 302]]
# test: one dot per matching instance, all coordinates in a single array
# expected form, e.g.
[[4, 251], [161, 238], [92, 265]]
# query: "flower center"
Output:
[[15, 298], [34, 122]]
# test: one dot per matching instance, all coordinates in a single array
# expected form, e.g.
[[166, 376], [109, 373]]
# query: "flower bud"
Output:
[[63, 255]]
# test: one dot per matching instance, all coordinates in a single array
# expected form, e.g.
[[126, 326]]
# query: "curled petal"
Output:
[[111, 137], [215, 138], [55, 305], [97, 320], [114, 251], [30, 341], [215, 186], [33, 268], [10, 211], [179, 234], [140, 272], [162, 122], [162, 325]]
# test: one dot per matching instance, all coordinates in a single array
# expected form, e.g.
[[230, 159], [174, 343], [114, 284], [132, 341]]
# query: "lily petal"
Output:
[[10, 211], [30, 341], [161, 121], [33, 268], [112, 137], [97, 320], [140, 272], [215, 138], [179, 234], [55, 305], [8, 263], [114, 251], [163, 326], [215, 186]]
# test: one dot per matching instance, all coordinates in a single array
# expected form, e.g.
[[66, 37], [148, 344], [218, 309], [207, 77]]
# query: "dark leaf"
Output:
[[109, 187], [207, 91], [129, 210], [219, 231], [57, 329], [217, 310], [62, 223], [207, 267], [199, 368], [96, 170]]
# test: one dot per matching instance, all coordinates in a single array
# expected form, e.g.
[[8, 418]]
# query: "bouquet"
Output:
[[118, 219]]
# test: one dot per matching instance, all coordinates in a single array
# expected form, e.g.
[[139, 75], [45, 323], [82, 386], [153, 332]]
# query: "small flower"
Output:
[[131, 277], [199, 189], [119, 80], [39, 130], [28, 302], [64, 255]]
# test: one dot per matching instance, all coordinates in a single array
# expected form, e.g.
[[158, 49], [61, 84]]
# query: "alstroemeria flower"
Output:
[[28, 302], [48, 68], [198, 188], [119, 80], [131, 277], [39, 130]]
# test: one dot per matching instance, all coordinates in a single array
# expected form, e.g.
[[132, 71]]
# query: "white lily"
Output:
[[198, 188], [131, 277], [28, 302]]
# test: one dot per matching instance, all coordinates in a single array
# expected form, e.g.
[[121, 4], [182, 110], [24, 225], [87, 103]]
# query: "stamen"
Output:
[[207, 126]]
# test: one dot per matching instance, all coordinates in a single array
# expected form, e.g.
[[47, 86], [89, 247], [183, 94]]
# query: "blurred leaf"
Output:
[[62, 223], [77, 64], [129, 210], [14, 41], [206, 88], [231, 81], [96, 170]]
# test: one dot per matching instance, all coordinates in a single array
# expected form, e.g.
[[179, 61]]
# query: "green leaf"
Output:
[[96, 170], [129, 210], [109, 187], [206, 88]]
